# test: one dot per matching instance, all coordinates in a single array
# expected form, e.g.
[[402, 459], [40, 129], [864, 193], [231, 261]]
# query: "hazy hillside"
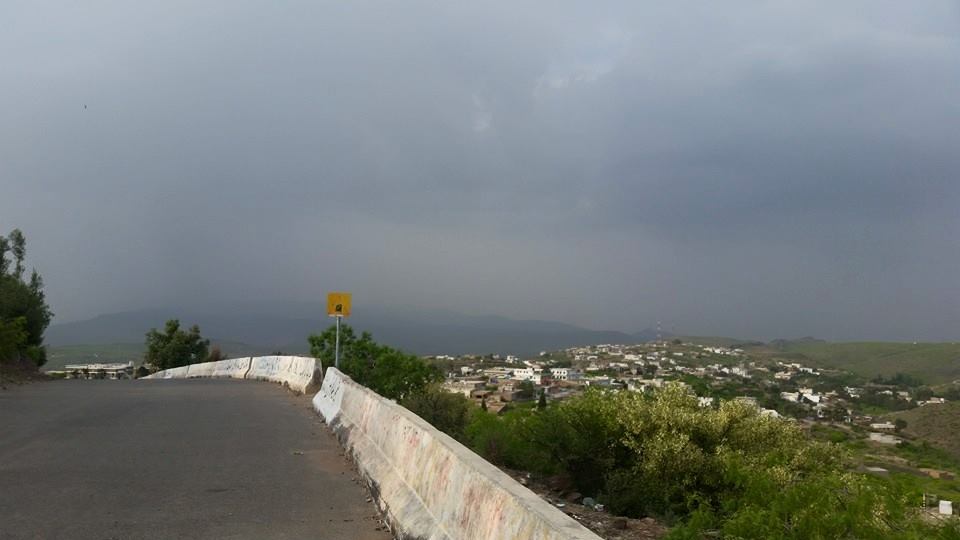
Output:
[[59, 356], [933, 363], [286, 328]]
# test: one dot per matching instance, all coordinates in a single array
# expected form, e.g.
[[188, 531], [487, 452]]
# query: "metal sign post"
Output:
[[338, 305], [336, 348]]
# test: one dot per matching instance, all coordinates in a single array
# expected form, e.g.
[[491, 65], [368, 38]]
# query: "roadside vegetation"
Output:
[[389, 372], [727, 472], [709, 472], [24, 313]]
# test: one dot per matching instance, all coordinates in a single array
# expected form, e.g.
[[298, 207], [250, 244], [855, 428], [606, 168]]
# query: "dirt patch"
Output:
[[15, 374], [604, 524]]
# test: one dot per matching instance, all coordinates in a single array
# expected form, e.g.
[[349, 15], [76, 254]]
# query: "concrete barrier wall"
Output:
[[297, 372], [172, 373], [235, 368], [428, 485], [204, 370]]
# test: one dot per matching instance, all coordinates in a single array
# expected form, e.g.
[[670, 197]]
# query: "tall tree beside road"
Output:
[[24, 313], [175, 347], [387, 371]]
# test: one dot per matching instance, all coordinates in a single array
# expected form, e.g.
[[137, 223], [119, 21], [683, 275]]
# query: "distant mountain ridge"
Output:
[[286, 327]]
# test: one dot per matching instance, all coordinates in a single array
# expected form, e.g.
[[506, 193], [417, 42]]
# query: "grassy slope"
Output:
[[938, 424], [933, 363]]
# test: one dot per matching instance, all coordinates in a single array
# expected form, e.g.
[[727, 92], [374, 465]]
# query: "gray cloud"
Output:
[[756, 170]]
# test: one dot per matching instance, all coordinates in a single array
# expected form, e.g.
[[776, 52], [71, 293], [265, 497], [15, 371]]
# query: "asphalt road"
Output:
[[167, 459]]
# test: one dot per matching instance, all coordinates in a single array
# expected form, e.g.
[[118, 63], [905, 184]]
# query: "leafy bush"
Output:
[[729, 471]]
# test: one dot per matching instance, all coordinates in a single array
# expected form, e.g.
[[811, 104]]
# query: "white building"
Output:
[[99, 371], [565, 374], [528, 374]]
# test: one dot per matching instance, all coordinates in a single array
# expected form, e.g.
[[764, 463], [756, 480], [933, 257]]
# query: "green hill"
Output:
[[717, 341], [938, 424], [933, 363]]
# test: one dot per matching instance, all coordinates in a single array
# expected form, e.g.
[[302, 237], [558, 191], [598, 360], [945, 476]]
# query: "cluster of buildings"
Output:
[[96, 371], [799, 390], [564, 373]]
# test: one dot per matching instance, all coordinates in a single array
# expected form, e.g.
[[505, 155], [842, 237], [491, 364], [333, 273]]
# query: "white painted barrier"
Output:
[[197, 371], [235, 368], [297, 372], [172, 373], [428, 485]]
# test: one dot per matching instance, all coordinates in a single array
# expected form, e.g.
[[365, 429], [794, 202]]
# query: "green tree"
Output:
[[525, 390], [24, 313], [387, 371], [13, 335], [175, 347], [542, 402]]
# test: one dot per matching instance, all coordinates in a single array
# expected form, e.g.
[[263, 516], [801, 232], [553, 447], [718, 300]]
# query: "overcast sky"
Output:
[[757, 169]]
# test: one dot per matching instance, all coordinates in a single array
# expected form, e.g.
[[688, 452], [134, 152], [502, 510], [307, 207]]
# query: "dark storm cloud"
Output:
[[750, 169]]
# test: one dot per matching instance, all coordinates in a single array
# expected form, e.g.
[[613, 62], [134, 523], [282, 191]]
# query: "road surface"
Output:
[[202, 458]]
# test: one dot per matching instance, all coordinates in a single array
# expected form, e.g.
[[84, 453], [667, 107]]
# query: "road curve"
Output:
[[203, 458]]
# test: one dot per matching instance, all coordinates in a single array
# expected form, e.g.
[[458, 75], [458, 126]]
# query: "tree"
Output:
[[12, 336], [525, 390], [4, 263], [175, 347], [387, 371], [542, 402], [24, 313], [900, 424]]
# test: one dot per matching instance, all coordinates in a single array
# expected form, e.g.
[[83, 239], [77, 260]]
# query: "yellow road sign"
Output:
[[338, 304]]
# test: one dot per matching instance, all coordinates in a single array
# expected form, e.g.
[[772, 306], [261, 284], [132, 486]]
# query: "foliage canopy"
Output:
[[175, 347], [387, 371], [24, 313]]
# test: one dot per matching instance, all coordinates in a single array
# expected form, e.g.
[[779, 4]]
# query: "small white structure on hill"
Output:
[[99, 371]]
